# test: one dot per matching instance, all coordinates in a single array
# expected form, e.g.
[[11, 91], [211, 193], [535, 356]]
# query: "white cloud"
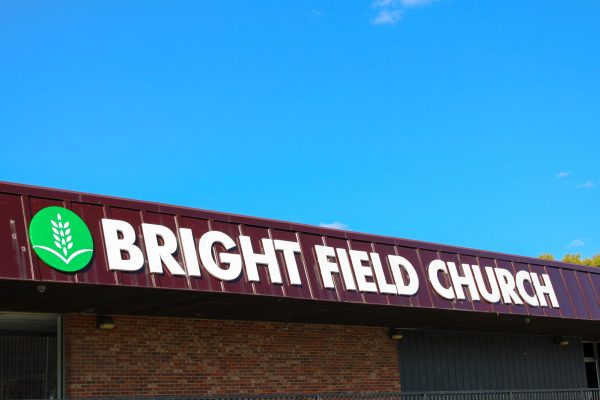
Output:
[[390, 12], [334, 225], [415, 3], [586, 185], [385, 3], [563, 174], [577, 243], [400, 3], [387, 17]]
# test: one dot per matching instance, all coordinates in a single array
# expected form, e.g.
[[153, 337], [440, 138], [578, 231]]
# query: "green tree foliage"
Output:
[[573, 259], [593, 261]]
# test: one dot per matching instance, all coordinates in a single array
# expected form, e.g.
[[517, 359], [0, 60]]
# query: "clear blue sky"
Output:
[[473, 123]]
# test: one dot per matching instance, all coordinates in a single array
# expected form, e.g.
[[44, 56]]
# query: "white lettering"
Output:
[[189, 252], [252, 260], [522, 277], [206, 243], [545, 288], [435, 267], [493, 296], [466, 279], [361, 271], [115, 246], [398, 262], [384, 286], [342, 256], [507, 286], [289, 249], [327, 267], [158, 254]]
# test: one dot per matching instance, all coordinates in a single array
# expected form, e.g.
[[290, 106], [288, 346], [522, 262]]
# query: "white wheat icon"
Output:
[[62, 235], [63, 240]]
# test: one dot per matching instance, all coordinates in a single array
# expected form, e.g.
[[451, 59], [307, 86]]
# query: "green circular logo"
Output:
[[61, 239]]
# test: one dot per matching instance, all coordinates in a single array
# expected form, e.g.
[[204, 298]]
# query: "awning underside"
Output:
[[63, 298]]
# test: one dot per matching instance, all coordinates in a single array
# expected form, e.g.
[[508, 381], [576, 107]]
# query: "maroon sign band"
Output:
[[141, 244]]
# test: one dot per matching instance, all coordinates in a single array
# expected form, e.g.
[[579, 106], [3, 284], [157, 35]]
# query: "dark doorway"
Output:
[[29, 356], [591, 354]]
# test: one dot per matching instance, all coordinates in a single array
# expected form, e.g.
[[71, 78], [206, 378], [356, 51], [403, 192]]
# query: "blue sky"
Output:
[[472, 123]]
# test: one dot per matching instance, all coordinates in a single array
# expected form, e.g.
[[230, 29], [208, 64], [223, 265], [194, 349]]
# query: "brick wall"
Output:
[[150, 356]]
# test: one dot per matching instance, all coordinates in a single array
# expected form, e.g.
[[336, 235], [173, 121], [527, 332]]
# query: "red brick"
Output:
[[152, 356]]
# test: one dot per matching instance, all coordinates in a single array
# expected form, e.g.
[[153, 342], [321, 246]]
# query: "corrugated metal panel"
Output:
[[454, 361]]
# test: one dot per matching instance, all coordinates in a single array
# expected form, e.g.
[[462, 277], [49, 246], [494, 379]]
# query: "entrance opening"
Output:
[[591, 357], [29, 356]]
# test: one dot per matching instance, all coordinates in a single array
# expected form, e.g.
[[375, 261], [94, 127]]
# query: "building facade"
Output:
[[107, 297]]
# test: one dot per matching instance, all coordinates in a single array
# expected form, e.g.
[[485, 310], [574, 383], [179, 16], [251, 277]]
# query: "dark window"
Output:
[[591, 357], [588, 350], [592, 374]]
